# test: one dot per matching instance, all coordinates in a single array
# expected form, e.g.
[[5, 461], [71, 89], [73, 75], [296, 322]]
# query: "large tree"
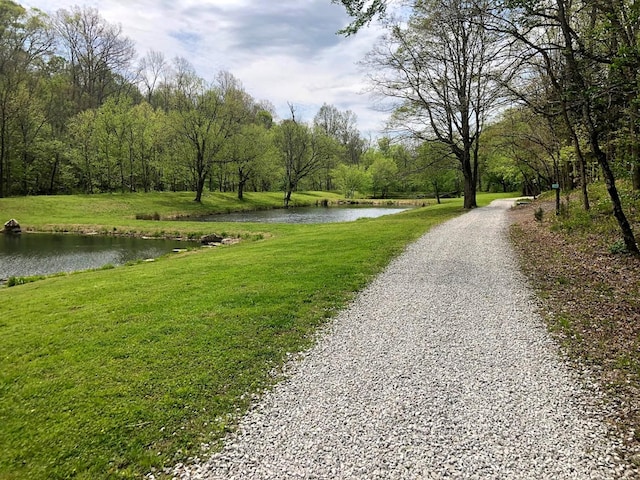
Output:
[[442, 69], [245, 150], [342, 127], [205, 117], [588, 54]]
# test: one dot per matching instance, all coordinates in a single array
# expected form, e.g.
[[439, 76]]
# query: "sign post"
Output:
[[556, 187]]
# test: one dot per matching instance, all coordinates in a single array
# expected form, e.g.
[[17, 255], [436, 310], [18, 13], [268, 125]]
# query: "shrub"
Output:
[[618, 247], [147, 216], [538, 214], [15, 281]]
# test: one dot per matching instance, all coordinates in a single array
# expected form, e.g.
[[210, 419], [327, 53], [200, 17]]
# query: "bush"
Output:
[[574, 221], [15, 281], [538, 214], [618, 247], [147, 216]]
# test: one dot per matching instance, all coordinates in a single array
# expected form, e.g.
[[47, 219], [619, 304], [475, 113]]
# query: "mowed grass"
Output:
[[121, 214], [117, 373]]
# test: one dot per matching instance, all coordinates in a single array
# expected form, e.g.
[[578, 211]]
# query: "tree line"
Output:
[[80, 113]]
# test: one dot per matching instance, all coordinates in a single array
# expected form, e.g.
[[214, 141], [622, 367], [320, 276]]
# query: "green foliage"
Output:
[[618, 248], [383, 172], [502, 172], [573, 220], [351, 180], [362, 13], [13, 281]]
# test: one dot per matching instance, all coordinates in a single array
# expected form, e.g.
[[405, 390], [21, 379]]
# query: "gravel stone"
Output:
[[441, 368]]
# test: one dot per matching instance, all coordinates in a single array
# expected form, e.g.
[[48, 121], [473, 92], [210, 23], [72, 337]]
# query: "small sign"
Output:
[[556, 186]]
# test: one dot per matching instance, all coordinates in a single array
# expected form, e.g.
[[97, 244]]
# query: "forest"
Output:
[[81, 112], [515, 95]]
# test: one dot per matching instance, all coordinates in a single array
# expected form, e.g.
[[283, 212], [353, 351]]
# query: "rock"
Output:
[[211, 238], [12, 227], [230, 241]]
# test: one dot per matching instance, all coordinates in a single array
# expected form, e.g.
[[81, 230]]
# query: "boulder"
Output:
[[12, 227], [211, 238]]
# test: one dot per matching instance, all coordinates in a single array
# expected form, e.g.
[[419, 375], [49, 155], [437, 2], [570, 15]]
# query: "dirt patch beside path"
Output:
[[591, 301]]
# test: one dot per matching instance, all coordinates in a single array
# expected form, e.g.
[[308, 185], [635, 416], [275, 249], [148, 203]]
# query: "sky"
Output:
[[283, 51]]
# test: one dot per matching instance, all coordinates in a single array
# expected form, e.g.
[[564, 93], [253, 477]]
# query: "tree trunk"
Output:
[[635, 175], [241, 190], [610, 181], [3, 155], [635, 166], [582, 168], [200, 188], [54, 172], [469, 183], [469, 194]]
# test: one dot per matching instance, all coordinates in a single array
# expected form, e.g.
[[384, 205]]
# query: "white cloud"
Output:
[[284, 51]]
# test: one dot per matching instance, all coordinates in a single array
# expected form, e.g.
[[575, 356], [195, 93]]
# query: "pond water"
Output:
[[303, 215], [43, 253]]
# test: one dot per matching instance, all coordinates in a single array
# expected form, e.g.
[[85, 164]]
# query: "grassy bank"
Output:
[[115, 373], [140, 213]]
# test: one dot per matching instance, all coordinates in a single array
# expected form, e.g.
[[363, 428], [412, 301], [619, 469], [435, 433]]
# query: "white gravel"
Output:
[[439, 369]]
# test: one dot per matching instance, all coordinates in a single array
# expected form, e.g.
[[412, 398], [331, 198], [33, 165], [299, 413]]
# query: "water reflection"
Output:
[[303, 215], [42, 253]]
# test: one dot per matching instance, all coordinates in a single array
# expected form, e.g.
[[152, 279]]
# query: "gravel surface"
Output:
[[439, 369]]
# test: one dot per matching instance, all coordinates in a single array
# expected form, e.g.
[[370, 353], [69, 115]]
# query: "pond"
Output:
[[303, 215], [42, 253]]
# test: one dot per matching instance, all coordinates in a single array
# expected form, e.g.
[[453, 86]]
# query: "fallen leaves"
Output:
[[590, 299]]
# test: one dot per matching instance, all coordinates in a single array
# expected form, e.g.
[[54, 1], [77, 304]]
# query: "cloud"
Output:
[[292, 27]]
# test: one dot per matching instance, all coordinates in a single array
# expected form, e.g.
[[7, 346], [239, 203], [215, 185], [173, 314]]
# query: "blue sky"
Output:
[[282, 51]]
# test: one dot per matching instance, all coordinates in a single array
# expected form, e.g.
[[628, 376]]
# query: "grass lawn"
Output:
[[115, 373]]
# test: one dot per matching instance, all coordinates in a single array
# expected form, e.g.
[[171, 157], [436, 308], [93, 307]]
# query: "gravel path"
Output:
[[439, 369]]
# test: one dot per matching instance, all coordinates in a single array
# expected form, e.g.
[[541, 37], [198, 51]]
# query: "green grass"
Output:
[[113, 373], [116, 213]]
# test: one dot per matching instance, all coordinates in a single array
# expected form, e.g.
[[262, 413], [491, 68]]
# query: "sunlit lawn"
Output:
[[114, 373]]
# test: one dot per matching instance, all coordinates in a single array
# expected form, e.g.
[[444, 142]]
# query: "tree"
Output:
[[245, 150], [362, 13], [383, 173], [588, 52], [534, 144], [351, 179], [205, 118], [144, 141], [54, 90], [98, 55], [25, 41], [151, 70], [82, 135], [438, 169], [303, 152], [342, 127], [441, 69]]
